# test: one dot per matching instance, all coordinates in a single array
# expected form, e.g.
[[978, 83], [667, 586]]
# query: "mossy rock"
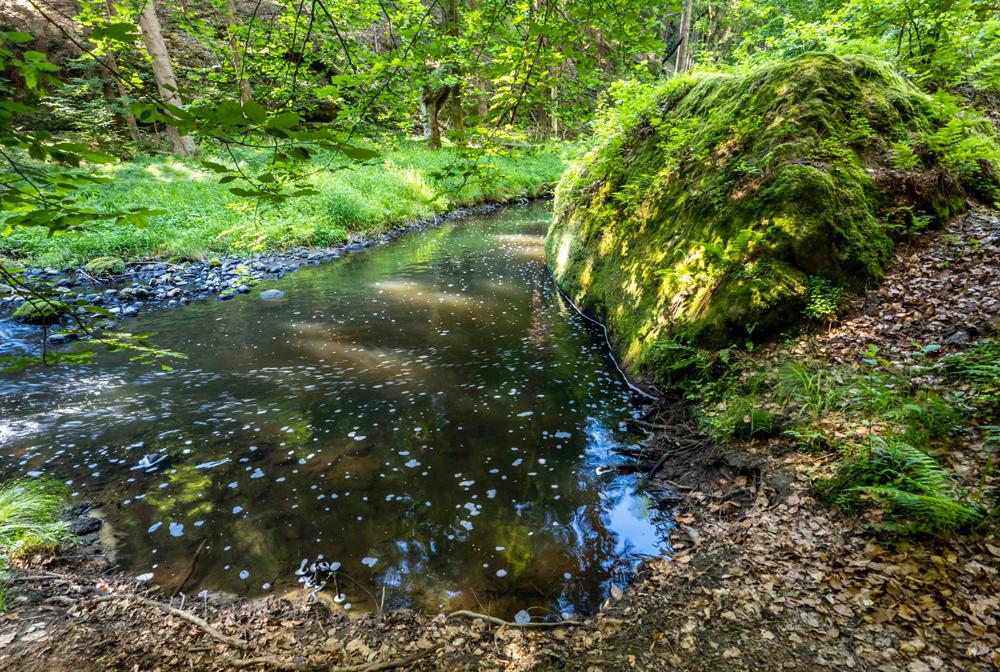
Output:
[[38, 311], [104, 266], [708, 201]]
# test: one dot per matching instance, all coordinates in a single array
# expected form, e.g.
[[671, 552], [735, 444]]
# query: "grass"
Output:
[[29, 522], [202, 218]]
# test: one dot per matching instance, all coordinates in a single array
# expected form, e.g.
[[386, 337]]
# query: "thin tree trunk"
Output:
[[115, 74], [458, 113], [432, 102], [680, 64], [163, 72], [234, 45]]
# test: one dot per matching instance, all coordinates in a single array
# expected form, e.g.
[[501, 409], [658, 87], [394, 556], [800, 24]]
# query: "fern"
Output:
[[912, 483], [936, 512]]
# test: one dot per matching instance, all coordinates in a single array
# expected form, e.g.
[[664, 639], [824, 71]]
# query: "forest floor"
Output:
[[764, 577]]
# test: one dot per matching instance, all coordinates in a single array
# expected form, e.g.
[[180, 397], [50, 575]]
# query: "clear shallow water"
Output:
[[429, 414]]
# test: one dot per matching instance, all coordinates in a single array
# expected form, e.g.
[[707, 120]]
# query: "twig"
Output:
[[183, 615], [190, 570], [280, 664], [463, 613]]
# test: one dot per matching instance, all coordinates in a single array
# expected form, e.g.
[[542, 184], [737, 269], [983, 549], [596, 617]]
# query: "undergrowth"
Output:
[[200, 217], [885, 429]]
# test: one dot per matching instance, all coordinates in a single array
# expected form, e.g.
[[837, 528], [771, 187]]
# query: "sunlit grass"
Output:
[[202, 218], [29, 522]]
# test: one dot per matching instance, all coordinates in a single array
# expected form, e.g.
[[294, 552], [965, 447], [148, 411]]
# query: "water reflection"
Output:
[[428, 414]]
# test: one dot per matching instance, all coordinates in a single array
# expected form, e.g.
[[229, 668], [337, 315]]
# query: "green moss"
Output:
[[708, 202], [104, 266], [38, 311]]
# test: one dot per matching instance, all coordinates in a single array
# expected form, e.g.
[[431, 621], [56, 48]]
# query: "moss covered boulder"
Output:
[[105, 266], [41, 311], [708, 202]]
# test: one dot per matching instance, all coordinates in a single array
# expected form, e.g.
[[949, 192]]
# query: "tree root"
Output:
[[278, 663], [179, 613], [462, 613]]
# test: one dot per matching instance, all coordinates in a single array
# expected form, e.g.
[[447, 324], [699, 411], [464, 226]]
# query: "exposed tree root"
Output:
[[462, 613]]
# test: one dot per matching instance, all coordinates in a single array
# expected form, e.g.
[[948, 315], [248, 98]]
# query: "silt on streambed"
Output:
[[428, 414]]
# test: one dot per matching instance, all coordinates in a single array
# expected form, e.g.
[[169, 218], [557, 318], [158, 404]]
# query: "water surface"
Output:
[[429, 414]]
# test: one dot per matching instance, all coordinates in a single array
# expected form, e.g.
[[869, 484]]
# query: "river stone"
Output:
[[105, 266], [85, 525], [38, 311], [272, 295]]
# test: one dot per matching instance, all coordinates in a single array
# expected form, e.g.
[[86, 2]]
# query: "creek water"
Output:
[[428, 416]]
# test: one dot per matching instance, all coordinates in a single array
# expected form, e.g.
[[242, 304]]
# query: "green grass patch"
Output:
[[30, 522], [201, 218]]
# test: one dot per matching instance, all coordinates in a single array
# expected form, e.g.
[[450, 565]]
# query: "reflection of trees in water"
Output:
[[266, 377]]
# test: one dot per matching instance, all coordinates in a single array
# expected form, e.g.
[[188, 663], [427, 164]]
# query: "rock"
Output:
[[272, 295], [104, 266], [959, 337], [709, 253], [38, 311], [85, 525], [6, 290], [71, 511], [126, 294]]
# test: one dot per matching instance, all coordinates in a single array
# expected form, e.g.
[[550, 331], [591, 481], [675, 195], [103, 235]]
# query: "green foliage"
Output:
[[29, 523], [980, 368], [912, 483], [823, 300], [903, 156], [938, 43], [30, 516], [201, 218], [811, 386]]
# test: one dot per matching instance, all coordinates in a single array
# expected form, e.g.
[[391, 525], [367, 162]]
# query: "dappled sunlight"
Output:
[[525, 246], [421, 294], [172, 170], [562, 254]]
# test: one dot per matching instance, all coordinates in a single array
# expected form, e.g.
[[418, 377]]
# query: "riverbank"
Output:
[[765, 575], [144, 286], [199, 219]]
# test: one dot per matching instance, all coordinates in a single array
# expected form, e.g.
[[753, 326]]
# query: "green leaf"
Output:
[[18, 37]]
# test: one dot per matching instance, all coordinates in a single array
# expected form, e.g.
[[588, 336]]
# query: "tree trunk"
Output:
[[431, 104], [163, 72], [681, 63], [458, 114], [234, 45], [116, 76]]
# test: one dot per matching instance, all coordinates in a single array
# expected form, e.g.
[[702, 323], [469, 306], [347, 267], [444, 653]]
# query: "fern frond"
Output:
[[941, 512]]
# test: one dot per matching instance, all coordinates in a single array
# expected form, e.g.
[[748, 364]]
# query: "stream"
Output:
[[425, 417]]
